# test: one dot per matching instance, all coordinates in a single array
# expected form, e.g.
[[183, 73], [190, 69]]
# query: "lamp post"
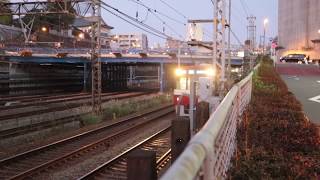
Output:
[[265, 22]]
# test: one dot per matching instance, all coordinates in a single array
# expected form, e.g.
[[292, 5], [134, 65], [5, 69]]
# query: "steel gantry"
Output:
[[251, 30], [78, 8], [95, 58], [219, 40]]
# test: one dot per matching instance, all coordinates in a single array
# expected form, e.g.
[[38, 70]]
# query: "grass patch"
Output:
[[117, 109], [120, 109], [89, 119]]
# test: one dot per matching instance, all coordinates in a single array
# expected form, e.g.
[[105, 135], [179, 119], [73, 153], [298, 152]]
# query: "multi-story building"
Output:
[[129, 41], [299, 27]]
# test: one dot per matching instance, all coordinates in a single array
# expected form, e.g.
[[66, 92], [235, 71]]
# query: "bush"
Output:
[[88, 119], [119, 109], [275, 141]]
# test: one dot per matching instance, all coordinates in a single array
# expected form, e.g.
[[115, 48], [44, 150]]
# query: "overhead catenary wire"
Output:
[[174, 9], [105, 6], [244, 8], [236, 37], [153, 11], [159, 12], [137, 26]]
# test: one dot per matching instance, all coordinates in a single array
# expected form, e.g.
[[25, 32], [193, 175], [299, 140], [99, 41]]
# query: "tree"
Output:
[[62, 20], [53, 21], [7, 20]]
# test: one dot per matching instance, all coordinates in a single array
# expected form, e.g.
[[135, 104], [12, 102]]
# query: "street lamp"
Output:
[[265, 22]]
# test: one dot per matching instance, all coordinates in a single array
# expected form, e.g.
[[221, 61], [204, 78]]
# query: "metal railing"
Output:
[[209, 152]]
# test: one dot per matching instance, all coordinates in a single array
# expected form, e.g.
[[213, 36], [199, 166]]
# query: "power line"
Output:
[[236, 37], [134, 20], [160, 35], [247, 7], [174, 9], [237, 16], [157, 11], [244, 8], [153, 11]]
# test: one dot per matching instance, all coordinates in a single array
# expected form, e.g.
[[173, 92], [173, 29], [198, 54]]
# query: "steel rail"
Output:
[[84, 146]]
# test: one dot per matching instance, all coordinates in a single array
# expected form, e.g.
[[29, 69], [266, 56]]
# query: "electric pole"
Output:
[[95, 58], [251, 29], [219, 39], [229, 42]]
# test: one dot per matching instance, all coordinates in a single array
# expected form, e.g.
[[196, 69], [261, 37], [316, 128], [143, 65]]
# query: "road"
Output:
[[304, 82]]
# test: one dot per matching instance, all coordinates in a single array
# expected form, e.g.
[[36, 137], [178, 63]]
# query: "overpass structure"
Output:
[[119, 71], [119, 58]]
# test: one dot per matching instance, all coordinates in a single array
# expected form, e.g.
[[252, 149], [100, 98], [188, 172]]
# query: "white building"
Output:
[[129, 41], [299, 28]]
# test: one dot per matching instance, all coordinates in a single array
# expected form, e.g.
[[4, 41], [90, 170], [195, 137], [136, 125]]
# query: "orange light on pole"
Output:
[[81, 35], [44, 29]]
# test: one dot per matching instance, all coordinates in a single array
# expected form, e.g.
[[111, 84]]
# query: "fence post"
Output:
[[202, 114], [180, 136], [141, 164], [208, 166]]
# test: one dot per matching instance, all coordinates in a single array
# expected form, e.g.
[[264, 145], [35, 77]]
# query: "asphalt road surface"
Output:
[[304, 82]]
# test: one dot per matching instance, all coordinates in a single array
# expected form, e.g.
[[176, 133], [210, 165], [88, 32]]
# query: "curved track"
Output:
[[37, 161], [116, 167]]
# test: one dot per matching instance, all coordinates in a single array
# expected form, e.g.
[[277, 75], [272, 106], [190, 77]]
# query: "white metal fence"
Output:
[[209, 152]]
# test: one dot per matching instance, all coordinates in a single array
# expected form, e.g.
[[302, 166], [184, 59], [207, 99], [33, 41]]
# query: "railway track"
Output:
[[42, 159], [58, 105], [14, 132], [116, 167], [53, 99], [30, 98]]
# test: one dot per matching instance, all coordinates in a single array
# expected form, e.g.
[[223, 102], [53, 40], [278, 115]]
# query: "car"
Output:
[[296, 58]]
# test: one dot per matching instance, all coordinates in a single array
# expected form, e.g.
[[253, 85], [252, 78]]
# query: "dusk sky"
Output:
[[193, 9]]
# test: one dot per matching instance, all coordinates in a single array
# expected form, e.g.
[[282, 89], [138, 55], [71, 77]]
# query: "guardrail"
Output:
[[209, 152]]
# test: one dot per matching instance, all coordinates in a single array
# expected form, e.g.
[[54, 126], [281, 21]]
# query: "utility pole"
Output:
[[229, 42], [265, 23], [218, 45], [251, 29], [95, 58]]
